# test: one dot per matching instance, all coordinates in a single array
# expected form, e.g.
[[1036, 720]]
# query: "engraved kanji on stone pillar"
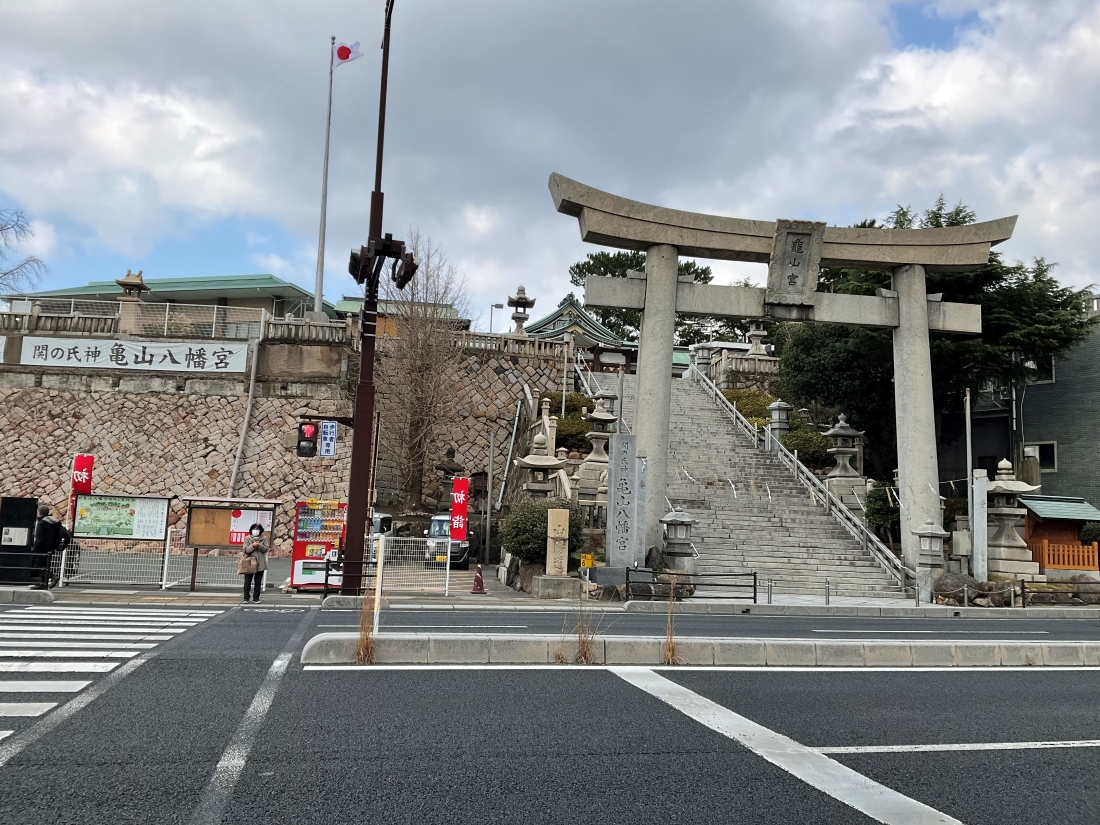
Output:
[[795, 262]]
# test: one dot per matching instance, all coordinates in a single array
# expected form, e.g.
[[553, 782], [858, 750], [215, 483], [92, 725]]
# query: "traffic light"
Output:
[[307, 440], [404, 269]]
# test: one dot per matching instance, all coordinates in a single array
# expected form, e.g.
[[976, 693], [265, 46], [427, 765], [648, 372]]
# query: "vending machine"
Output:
[[319, 532]]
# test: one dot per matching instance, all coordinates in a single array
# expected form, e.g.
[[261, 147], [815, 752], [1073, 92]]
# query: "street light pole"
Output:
[[491, 308], [366, 267]]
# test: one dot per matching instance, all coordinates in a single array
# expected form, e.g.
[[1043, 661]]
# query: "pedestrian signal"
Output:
[[307, 440]]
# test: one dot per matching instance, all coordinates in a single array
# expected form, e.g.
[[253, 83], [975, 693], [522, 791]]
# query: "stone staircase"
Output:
[[752, 514]]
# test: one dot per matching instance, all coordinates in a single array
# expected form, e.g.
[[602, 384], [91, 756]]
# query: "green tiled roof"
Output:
[[1069, 508], [267, 285]]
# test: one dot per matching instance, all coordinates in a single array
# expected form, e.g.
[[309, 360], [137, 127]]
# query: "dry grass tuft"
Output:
[[668, 649], [364, 654]]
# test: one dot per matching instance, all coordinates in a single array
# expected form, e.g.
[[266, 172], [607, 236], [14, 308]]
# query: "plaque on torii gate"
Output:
[[794, 251]]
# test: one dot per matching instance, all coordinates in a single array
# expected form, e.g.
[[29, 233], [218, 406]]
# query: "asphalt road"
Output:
[[219, 723], [737, 625]]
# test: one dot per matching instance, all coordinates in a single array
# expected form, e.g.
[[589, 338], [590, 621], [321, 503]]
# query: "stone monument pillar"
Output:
[[656, 338], [557, 542], [916, 431]]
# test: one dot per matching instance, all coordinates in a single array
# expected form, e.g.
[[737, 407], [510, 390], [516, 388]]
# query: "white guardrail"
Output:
[[833, 505]]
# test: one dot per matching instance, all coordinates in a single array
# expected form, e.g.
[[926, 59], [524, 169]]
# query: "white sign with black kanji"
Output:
[[159, 356], [328, 440]]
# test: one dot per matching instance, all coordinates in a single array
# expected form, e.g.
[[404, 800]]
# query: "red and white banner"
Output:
[[460, 505], [80, 482]]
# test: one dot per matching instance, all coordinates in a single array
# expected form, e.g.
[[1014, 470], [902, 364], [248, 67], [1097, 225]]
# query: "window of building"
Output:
[[1047, 453], [1042, 371]]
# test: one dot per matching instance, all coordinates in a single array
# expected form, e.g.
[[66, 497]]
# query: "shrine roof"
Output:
[[1068, 508], [571, 313]]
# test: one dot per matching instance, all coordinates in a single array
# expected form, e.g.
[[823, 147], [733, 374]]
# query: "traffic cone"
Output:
[[479, 584]]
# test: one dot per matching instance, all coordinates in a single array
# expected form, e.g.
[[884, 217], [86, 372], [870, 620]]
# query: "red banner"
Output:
[[81, 480], [460, 505]]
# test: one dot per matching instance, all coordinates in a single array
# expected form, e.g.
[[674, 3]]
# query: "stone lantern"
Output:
[[594, 466], [931, 537], [539, 468], [679, 552], [608, 398], [780, 411], [132, 286], [756, 336], [844, 480], [1008, 553], [520, 303]]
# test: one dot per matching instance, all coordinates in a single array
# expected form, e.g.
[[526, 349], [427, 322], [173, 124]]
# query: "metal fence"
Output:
[[409, 565], [646, 585], [166, 564], [194, 321]]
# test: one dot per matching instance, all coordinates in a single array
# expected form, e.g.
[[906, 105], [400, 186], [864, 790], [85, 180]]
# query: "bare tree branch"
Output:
[[14, 230], [416, 356]]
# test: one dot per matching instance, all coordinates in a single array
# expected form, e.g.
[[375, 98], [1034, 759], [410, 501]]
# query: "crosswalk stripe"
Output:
[[78, 628], [4, 734], [108, 617], [100, 637], [57, 667], [99, 622], [98, 611], [68, 654], [25, 708], [82, 644], [41, 686]]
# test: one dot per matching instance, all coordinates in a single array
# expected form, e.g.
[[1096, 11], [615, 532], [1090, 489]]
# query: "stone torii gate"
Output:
[[795, 251]]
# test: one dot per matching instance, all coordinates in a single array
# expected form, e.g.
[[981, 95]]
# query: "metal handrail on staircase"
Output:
[[833, 505]]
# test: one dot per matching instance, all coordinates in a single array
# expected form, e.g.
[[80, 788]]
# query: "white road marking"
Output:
[[111, 592], [815, 769], [34, 635], [82, 629], [38, 642], [146, 611], [57, 667], [67, 654], [10, 750], [219, 788], [4, 734], [976, 632], [432, 626], [728, 668], [121, 621], [964, 746], [25, 708], [43, 686]]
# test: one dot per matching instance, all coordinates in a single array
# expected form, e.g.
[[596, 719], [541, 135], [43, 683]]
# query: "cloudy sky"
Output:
[[186, 138]]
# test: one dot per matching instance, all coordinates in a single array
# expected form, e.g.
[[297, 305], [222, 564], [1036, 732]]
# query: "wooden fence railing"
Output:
[[1064, 556]]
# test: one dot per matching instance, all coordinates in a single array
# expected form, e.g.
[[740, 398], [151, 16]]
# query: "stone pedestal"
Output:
[[557, 542]]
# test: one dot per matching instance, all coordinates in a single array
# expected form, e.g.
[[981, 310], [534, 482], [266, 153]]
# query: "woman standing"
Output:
[[253, 561]]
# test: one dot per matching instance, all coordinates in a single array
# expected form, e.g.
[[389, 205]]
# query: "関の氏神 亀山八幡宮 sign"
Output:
[[173, 356]]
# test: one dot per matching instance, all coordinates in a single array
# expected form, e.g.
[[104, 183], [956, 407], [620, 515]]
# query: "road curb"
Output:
[[350, 602], [923, 612], [25, 595], [491, 648]]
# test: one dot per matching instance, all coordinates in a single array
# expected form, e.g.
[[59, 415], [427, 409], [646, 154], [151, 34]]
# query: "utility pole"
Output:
[[366, 266]]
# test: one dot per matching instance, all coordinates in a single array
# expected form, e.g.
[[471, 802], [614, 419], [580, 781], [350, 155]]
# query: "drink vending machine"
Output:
[[319, 531]]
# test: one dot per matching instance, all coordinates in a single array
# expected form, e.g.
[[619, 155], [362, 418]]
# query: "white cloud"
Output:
[[42, 242], [137, 121]]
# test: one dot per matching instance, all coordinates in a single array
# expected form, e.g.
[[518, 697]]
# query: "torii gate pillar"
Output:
[[655, 349]]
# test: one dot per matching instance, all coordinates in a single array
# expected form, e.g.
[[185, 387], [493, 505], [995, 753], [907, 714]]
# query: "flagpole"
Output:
[[317, 294]]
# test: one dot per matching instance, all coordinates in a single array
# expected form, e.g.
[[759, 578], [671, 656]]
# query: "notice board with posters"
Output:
[[226, 527], [121, 517]]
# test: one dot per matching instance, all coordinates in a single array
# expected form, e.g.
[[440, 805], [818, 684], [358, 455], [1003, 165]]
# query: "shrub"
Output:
[[574, 403], [881, 510], [571, 432], [1090, 532], [750, 403], [812, 447], [524, 533]]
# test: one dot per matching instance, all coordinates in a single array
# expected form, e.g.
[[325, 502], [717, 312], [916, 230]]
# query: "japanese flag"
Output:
[[343, 53]]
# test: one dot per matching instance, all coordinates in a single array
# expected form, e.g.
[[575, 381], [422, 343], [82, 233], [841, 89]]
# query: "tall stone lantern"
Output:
[[780, 421], [520, 303], [449, 468], [1008, 553], [539, 467], [594, 467], [844, 480], [679, 552]]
